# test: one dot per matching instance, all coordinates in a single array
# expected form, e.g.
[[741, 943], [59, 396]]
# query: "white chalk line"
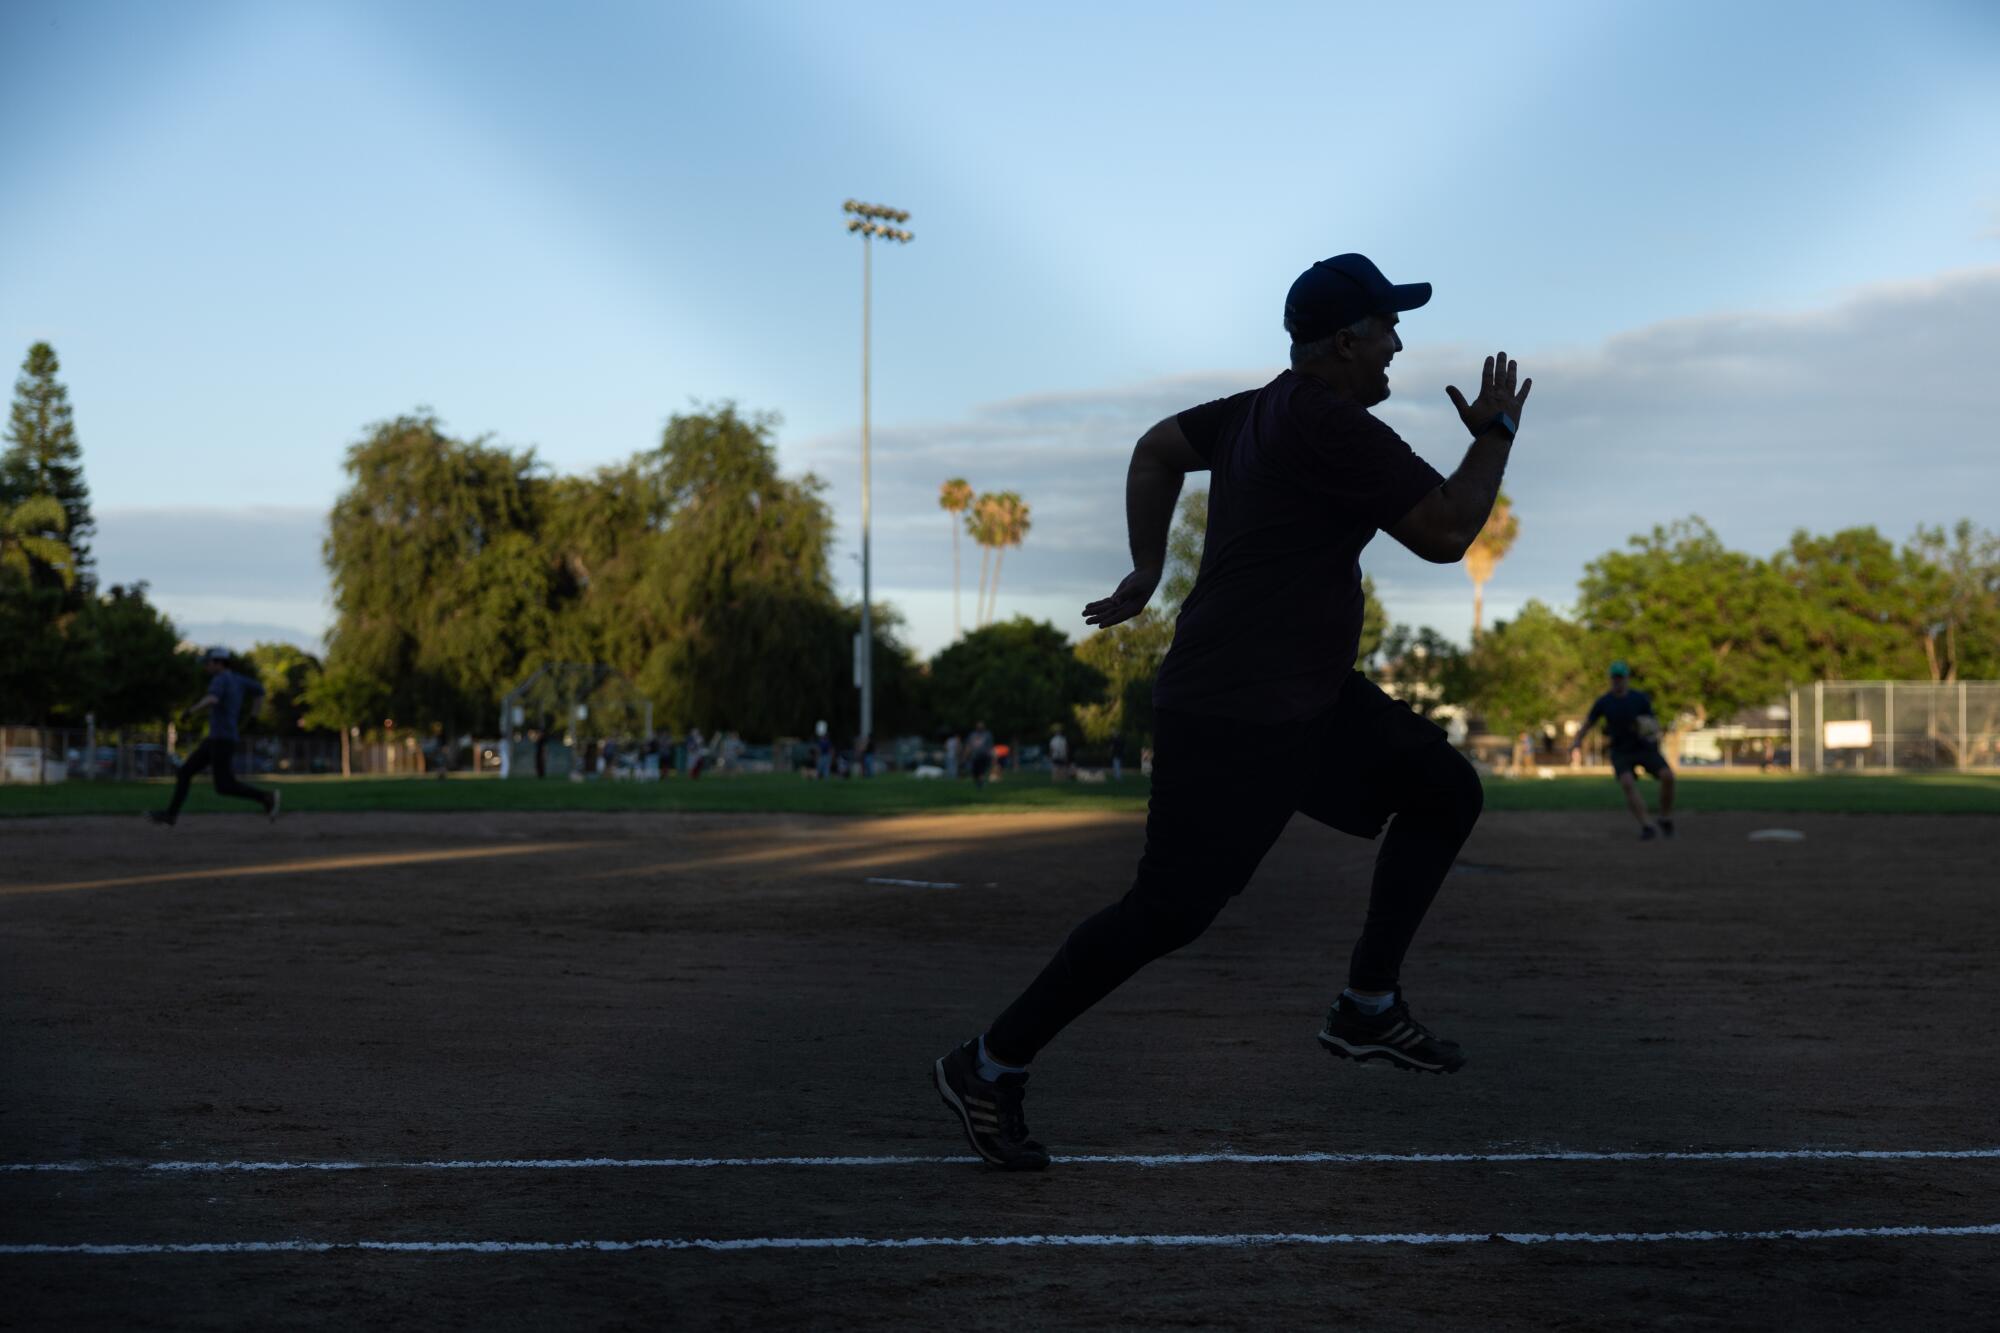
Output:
[[1076, 1159], [1236, 1240]]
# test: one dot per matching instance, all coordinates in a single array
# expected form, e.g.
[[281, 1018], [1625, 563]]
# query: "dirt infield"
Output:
[[606, 1000]]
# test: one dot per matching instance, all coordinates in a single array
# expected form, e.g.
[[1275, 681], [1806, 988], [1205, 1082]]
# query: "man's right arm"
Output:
[[1589, 721], [1160, 462]]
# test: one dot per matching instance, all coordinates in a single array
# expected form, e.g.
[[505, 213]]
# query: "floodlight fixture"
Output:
[[870, 222]]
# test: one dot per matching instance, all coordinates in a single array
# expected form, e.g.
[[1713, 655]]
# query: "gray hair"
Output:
[[1304, 354]]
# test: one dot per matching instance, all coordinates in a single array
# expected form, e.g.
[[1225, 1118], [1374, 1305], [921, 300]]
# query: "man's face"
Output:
[[1370, 354], [214, 667], [1619, 684]]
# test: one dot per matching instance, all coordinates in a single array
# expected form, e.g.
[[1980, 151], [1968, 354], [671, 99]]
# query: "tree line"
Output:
[[703, 574]]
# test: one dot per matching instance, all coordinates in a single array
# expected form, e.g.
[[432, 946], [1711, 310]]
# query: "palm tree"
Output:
[[25, 541], [982, 521], [954, 497], [1487, 550], [1011, 521]]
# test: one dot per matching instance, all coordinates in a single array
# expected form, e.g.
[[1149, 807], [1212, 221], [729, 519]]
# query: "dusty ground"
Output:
[[557, 987]]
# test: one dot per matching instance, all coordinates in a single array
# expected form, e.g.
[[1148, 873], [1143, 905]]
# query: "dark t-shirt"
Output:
[[229, 690], [1621, 718], [1300, 482]]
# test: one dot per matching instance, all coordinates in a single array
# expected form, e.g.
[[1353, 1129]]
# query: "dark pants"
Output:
[[221, 755], [1223, 790]]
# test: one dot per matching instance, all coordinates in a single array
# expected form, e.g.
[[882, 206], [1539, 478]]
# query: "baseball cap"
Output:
[[216, 654], [1344, 290], [1618, 668]]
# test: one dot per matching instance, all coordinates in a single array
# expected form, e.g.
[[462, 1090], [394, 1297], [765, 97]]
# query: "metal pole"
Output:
[[1964, 741], [1889, 720], [867, 612], [1795, 731], [1819, 726]]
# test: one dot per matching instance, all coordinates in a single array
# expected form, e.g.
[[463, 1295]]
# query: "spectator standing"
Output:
[[979, 750]]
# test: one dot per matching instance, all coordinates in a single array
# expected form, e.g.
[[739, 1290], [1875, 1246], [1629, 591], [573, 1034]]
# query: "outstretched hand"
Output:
[[1496, 395], [1134, 591]]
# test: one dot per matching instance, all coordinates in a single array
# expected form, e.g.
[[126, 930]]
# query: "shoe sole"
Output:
[[1347, 1050], [951, 1099]]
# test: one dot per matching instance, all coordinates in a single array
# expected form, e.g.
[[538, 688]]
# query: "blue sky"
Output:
[[252, 230]]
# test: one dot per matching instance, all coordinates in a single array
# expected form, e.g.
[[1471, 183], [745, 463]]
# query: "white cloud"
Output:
[[1871, 410], [1868, 411]]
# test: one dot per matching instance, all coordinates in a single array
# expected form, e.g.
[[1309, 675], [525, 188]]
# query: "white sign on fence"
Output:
[[1850, 735]]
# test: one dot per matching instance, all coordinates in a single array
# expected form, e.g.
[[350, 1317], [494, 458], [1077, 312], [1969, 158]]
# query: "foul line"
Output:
[[1237, 1240], [365, 862], [1077, 1159]]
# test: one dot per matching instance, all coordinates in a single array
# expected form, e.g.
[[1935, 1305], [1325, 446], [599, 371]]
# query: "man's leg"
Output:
[[184, 775], [1217, 806], [1635, 800], [225, 776], [1665, 774], [1437, 799], [1397, 769]]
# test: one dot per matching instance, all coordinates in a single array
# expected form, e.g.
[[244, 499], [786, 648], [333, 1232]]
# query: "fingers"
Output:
[[1526, 385], [1486, 379], [1457, 398]]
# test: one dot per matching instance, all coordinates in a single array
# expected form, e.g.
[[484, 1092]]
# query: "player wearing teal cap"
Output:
[[1635, 744]]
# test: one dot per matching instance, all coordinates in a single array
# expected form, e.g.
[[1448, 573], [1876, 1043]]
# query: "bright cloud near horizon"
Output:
[[1748, 253]]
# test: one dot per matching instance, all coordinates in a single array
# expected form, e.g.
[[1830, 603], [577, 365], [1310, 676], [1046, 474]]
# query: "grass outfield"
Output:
[[893, 794]]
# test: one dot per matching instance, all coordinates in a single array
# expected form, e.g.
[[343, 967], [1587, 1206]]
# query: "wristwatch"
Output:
[[1503, 422]]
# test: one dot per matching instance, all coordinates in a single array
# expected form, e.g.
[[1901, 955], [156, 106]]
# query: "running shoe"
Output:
[[160, 817], [277, 796], [1647, 833], [990, 1112], [1667, 828], [1391, 1035]]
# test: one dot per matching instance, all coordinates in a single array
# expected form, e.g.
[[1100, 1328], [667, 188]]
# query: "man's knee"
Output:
[[1447, 781], [1170, 916]]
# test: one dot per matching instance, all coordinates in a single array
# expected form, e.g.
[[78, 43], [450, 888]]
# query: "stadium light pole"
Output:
[[869, 221]]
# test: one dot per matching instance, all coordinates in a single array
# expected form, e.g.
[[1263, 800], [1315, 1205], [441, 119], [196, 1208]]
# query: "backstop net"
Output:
[[1891, 725]]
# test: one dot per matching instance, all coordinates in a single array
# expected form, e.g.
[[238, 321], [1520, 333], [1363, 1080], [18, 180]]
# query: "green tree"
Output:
[[1532, 671], [442, 592], [1019, 676], [122, 662], [1693, 617], [1128, 656], [1185, 541], [287, 673], [34, 543], [1424, 669], [1854, 611], [43, 458], [1958, 612], [725, 615], [35, 578], [345, 698]]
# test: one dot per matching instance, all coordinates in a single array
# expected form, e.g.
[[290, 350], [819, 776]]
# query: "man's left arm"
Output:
[[1443, 525]]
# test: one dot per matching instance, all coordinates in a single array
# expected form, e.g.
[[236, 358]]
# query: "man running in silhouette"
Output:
[[1259, 686], [226, 692]]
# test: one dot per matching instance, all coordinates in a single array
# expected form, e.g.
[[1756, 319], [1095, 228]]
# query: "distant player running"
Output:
[[226, 692], [1259, 687], [1635, 744]]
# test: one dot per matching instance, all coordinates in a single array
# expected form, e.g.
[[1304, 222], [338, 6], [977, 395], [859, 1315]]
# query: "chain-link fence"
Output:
[[1889, 725], [81, 754]]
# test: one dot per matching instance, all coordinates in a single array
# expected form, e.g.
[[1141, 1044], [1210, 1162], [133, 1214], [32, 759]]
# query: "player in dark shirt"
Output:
[[1259, 686], [1635, 744], [226, 692]]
